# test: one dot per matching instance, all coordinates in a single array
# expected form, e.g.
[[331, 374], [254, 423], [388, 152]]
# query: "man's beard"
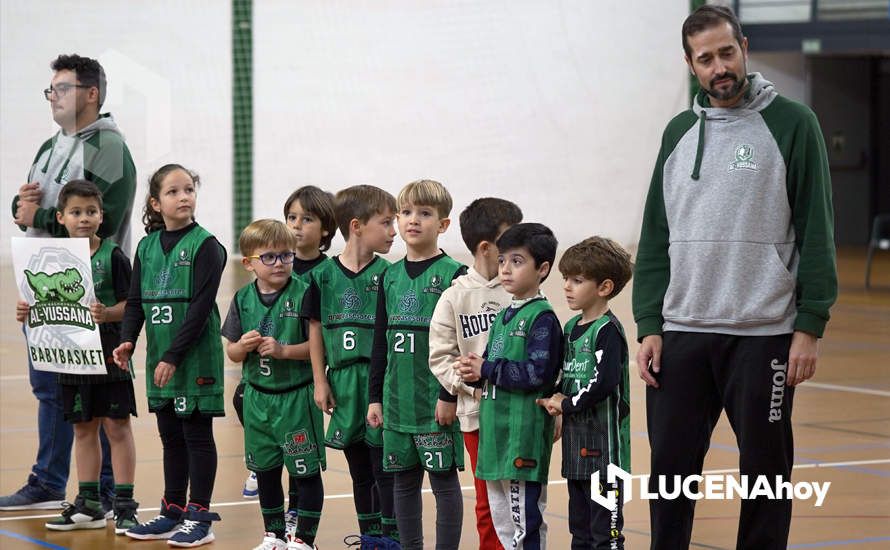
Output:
[[737, 85]]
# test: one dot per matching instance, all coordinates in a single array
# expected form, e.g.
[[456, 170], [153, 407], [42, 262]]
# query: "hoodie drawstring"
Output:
[[701, 145], [52, 148], [64, 169]]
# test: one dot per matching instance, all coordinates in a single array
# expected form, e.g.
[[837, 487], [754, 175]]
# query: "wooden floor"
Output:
[[841, 421]]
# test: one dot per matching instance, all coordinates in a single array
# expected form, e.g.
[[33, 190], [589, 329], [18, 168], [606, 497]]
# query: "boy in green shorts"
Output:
[[282, 428], [594, 391], [341, 303], [521, 364], [405, 398]]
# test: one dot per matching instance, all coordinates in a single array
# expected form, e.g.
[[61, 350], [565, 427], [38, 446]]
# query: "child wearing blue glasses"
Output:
[[282, 425]]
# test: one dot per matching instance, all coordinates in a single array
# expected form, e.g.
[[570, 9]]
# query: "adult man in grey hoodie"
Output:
[[734, 279], [87, 146]]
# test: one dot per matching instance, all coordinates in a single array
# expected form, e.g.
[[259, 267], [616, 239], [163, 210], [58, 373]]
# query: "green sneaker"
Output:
[[124, 515], [83, 514]]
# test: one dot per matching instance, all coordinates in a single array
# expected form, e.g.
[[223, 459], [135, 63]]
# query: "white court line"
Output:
[[469, 487], [851, 389]]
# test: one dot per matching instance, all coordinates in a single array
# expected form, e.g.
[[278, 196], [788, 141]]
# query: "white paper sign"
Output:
[[55, 278]]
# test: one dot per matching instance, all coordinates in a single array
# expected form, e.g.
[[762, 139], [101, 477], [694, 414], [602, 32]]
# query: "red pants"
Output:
[[488, 538]]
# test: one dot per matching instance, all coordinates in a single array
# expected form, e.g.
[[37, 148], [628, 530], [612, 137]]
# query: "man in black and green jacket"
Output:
[[734, 278], [88, 146]]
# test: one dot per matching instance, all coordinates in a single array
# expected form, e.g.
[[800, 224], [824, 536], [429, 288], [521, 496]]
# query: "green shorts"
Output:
[[186, 405], [283, 428], [349, 424], [436, 452]]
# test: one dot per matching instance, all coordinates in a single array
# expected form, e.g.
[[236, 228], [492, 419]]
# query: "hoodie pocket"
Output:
[[728, 284]]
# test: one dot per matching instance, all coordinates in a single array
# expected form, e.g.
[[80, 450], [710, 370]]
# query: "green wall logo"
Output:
[[57, 299], [743, 155]]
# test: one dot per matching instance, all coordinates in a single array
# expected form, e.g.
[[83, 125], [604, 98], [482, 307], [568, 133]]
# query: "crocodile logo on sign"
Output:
[[57, 299], [63, 286]]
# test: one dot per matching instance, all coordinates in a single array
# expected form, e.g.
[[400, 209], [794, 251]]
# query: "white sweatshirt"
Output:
[[459, 326]]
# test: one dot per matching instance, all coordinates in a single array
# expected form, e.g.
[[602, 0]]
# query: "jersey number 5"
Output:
[[265, 368]]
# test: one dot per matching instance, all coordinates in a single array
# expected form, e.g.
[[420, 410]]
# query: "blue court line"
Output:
[[38, 542], [838, 542]]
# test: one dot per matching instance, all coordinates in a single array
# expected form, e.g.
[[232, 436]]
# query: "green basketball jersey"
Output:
[[103, 285], [306, 276], [167, 289], [348, 309], [410, 390], [282, 321], [515, 434], [604, 427]]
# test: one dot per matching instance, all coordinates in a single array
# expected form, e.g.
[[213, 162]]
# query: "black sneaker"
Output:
[[83, 514], [124, 515], [107, 500]]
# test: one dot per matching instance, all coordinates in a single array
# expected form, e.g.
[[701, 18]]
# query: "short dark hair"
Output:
[[319, 203], [537, 238], [361, 202], [483, 218], [708, 16], [598, 259], [78, 188], [89, 72]]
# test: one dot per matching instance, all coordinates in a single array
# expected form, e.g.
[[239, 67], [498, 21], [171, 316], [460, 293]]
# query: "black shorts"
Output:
[[84, 402]]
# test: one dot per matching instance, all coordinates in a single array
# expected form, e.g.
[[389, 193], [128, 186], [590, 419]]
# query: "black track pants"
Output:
[[702, 374]]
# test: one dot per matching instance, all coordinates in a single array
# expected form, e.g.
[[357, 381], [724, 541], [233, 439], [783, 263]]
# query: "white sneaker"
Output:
[[290, 524], [271, 542], [251, 488], [294, 543]]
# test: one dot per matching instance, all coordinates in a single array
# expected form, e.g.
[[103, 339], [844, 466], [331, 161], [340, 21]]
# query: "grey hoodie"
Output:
[[96, 153], [744, 196]]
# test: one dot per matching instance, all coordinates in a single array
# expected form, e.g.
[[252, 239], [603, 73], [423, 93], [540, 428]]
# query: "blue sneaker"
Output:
[[195, 528], [33, 496], [370, 542], [161, 527], [251, 487]]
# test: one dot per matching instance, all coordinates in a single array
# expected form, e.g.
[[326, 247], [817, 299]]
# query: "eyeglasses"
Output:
[[61, 89], [269, 258]]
